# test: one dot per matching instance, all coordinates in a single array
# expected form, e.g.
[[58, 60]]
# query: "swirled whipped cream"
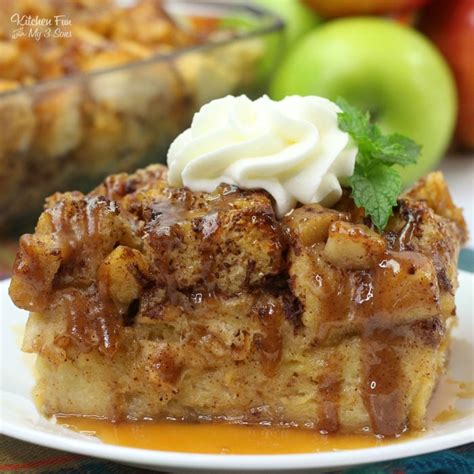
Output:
[[293, 149]]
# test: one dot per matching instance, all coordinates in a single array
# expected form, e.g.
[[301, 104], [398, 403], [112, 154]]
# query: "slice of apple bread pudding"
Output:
[[150, 301]]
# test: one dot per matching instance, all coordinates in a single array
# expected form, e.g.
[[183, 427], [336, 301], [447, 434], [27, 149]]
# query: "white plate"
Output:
[[19, 418]]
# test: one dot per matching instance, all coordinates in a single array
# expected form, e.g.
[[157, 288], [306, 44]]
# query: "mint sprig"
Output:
[[375, 183]]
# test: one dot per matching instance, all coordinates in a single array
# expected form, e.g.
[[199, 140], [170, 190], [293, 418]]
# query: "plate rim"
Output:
[[257, 462]]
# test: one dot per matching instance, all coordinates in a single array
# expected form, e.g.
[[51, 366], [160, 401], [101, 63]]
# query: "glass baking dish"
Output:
[[69, 133]]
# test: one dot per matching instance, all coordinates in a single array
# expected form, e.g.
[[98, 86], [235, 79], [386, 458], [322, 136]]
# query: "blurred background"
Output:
[[93, 87]]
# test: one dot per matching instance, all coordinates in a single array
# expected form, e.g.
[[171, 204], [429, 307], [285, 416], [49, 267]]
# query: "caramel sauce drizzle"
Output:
[[384, 384], [329, 389], [97, 324], [383, 390], [269, 343]]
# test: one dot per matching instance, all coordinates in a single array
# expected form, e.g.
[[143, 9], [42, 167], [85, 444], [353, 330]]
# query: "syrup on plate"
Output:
[[217, 438], [220, 438]]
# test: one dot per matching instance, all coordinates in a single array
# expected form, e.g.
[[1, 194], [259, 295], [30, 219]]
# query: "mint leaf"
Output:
[[396, 149], [354, 122], [375, 184], [376, 190]]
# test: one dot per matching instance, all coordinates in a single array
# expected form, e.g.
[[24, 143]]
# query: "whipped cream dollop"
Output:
[[291, 148]]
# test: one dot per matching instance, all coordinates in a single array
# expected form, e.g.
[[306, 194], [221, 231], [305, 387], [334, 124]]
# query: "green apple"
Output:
[[378, 65], [299, 19]]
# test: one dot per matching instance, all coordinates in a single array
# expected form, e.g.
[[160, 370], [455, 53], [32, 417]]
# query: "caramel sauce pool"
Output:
[[220, 438]]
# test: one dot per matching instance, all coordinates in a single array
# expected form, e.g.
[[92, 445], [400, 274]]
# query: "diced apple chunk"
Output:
[[36, 264], [123, 271], [310, 224], [404, 289], [352, 246]]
